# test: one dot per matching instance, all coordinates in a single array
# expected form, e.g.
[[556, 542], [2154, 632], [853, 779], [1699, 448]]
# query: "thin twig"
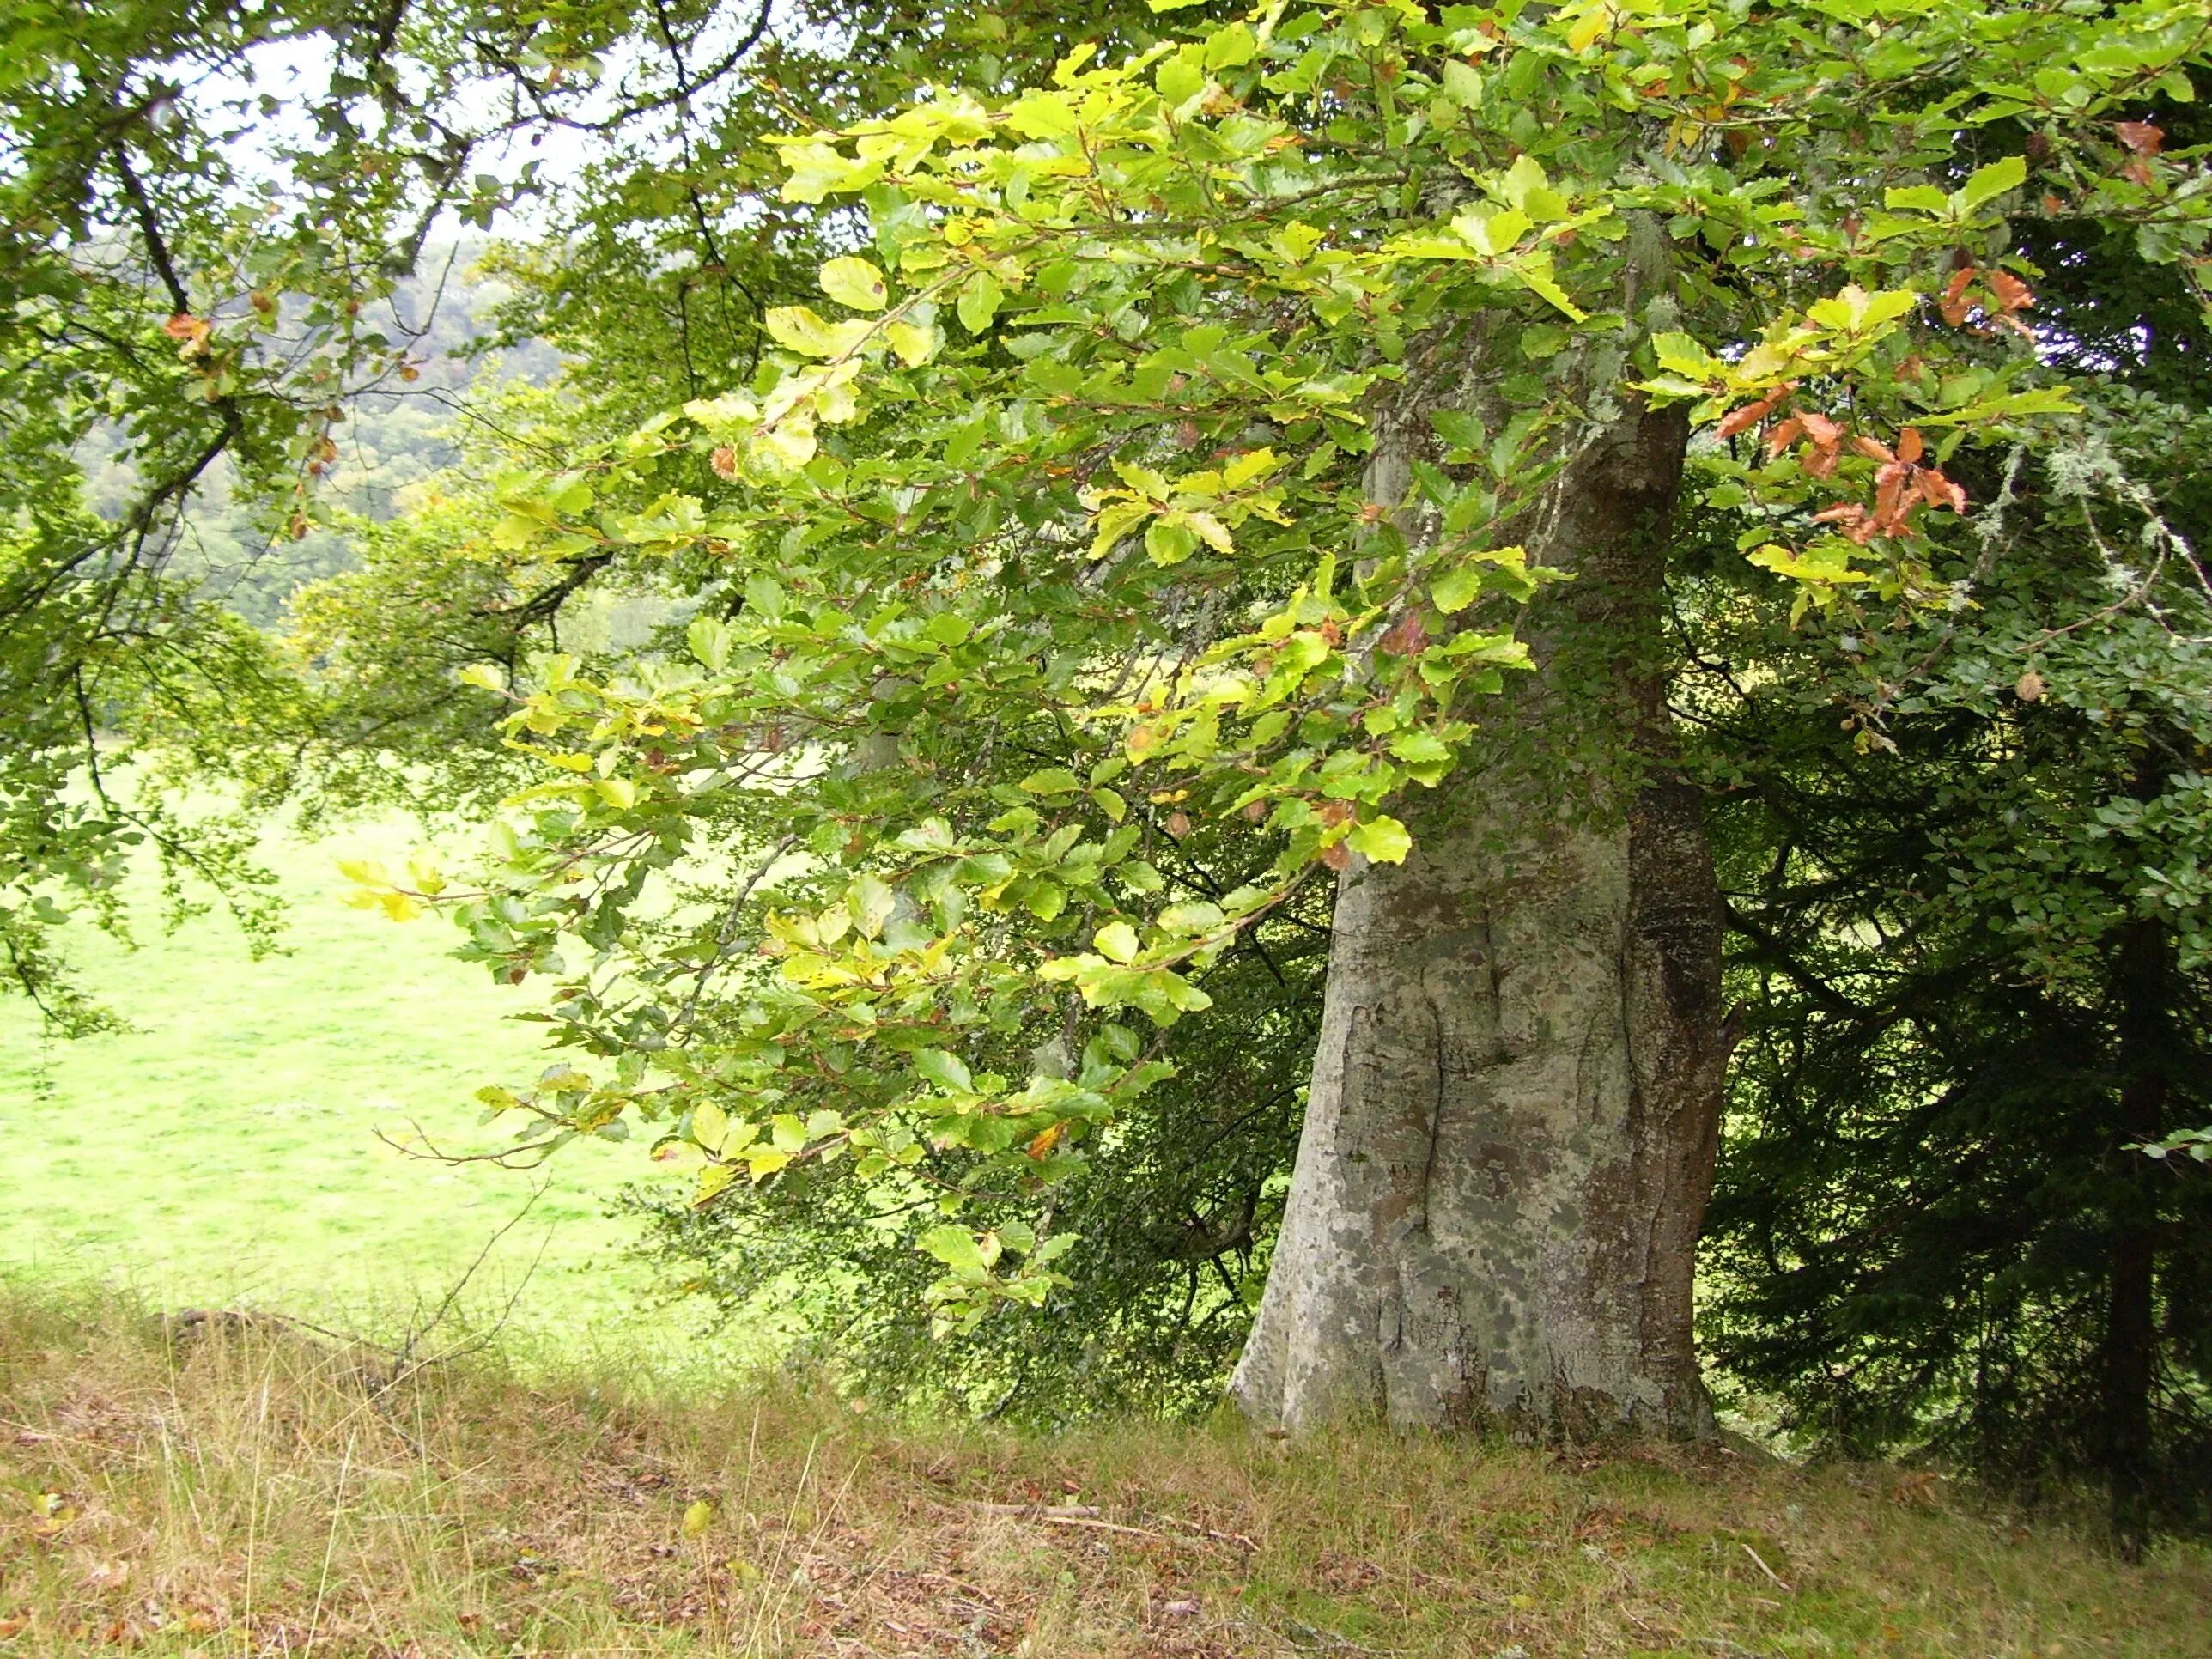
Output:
[[1757, 1561]]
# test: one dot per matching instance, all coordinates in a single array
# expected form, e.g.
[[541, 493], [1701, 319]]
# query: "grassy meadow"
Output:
[[225, 1150], [246, 1490], [604, 1479]]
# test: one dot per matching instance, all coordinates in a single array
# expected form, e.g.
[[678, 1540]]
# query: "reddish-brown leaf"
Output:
[[1939, 491], [1405, 637], [1743, 419], [1954, 302], [1909, 445], [1889, 507], [2141, 136], [2012, 293]]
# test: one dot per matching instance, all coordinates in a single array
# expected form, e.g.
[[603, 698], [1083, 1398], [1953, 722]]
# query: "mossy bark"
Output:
[[1515, 1096]]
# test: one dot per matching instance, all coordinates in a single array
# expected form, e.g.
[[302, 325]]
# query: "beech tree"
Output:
[[1179, 545], [1281, 428]]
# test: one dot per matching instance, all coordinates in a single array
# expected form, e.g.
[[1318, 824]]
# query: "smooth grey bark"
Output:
[[1516, 1096]]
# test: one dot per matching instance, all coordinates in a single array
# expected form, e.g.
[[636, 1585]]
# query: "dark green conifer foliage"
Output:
[[1974, 955]]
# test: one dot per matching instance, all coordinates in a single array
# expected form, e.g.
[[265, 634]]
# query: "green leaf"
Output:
[[1458, 429], [1117, 941], [1826, 562], [1457, 588], [1524, 176], [1139, 877], [709, 638], [1230, 48], [1462, 83], [1684, 356], [955, 1246], [1993, 181], [1181, 78], [1052, 781], [948, 1071], [712, 1180], [1420, 747], [979, 302], [1921, 198], [1535, 271], [764, 597], [1169, 543]]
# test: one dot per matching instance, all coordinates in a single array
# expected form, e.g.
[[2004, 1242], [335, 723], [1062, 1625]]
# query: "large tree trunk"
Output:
[[1516, 1097]]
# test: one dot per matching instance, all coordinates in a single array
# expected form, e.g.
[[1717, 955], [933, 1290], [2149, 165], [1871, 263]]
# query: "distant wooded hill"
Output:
[[387, 442]]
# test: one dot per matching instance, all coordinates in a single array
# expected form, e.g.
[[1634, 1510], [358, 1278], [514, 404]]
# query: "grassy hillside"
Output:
[[225, 1151], [251, 1489], [237, 1490]]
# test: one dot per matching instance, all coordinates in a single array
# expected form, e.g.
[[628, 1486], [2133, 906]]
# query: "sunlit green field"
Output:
[[225, 1151]]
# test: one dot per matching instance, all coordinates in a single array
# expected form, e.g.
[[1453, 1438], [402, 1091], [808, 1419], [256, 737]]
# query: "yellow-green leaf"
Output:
[[1591, 24], [801, 328], [712, 1181], [854, 281], [914, 344], [870, 903], [710, 1124], [1383, 839]]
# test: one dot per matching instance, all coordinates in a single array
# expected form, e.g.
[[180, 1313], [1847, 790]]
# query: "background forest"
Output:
[[984, 622]]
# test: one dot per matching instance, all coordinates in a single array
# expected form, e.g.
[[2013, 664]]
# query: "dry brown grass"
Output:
[[250, 1491]]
